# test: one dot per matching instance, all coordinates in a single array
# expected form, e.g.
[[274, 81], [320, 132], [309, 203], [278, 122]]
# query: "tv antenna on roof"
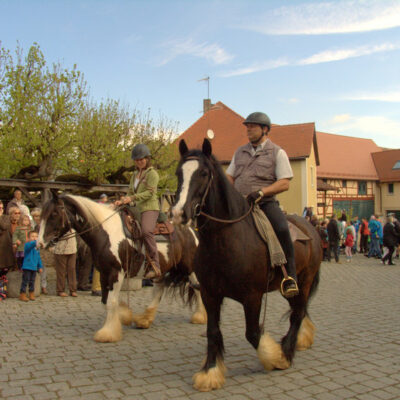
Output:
[[207, 78]]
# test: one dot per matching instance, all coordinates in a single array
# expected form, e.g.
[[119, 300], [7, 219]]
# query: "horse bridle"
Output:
[[198, 207]]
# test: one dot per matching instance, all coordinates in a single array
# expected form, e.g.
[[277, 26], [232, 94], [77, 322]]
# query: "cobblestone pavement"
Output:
[[47, 349]]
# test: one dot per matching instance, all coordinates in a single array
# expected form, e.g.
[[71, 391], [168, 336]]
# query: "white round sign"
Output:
[[210, 134]]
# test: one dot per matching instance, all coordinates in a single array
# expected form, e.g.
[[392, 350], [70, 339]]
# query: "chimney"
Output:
[[207, 105]]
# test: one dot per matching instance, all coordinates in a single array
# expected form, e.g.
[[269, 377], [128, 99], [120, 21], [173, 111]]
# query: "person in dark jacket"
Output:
[[333, 238], [7, 259], [390, 240]]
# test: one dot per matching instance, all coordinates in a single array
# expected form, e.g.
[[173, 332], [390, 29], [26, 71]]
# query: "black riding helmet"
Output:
[[140, 151], [258, 118]]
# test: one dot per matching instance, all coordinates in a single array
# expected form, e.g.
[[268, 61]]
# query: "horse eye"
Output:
[[203, 173]]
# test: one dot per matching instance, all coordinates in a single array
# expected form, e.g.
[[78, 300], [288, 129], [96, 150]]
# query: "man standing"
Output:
[[259, 170], [333, 238], [17, 201]]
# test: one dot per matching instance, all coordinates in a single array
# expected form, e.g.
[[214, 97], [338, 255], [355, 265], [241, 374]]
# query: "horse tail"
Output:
[[176, 282], [314, 284]]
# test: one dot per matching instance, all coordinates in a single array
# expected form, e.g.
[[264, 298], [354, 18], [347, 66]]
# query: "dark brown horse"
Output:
[[232, 261], [114, 256]]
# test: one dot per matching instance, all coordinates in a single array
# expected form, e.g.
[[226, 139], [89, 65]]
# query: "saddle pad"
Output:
[[296, 233], [267, 233]]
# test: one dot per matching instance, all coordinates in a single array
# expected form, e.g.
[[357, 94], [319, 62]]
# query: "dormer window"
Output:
[[397, 165]]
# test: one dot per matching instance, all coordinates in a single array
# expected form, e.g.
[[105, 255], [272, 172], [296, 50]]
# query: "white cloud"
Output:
[[209, 51], [318, 58], [328, 18], [343, 54], [384, 131], [256, 67], [389, 97]]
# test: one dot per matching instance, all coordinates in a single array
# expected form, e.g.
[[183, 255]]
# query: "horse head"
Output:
[[55, 222], [195, 174]]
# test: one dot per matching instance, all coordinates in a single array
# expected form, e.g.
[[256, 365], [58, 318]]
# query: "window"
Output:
[[396, 165], [390, 188], [362, 187], [344, 183]]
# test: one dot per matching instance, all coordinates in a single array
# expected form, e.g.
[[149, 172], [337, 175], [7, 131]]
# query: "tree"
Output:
[[38, 107]]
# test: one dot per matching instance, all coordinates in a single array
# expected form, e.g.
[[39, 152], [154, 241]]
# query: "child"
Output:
[[32, 264], [20, 237], [349, 243]]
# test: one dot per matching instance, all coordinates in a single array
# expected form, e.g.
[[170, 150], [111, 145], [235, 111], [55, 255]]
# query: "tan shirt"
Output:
[[67, 246]]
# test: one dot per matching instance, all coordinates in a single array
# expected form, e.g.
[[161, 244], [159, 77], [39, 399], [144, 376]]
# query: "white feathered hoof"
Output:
[[270, 354], [214, 378], [125, 314], [105, 335], [305, 337], [199, 318], [144, 321]]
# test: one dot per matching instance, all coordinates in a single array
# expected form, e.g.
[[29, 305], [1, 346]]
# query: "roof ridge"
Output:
[[350, 137]]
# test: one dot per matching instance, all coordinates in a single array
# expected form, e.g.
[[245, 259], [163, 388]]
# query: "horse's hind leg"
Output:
[[269, 352], [112, 329], [146, 319], [212, 375]]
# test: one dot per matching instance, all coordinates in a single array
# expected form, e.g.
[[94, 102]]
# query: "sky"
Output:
[[335, 63]]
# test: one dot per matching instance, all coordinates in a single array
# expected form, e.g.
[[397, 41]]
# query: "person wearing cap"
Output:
[[142, 193], [260, 170]]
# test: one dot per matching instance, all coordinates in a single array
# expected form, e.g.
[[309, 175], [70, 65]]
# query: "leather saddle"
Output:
[[133, 229]]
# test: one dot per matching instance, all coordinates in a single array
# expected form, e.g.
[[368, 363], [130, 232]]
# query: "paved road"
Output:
[[47, 349]]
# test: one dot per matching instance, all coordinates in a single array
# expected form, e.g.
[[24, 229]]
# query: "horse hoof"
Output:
[[270, 354], [214, 378], [106, 336], [305, 337], [199, 318], [144, 320], [141, 322]]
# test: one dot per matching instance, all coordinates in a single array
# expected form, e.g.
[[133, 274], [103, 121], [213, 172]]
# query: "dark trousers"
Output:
[[335, 247], [364, 244], [278, 221], [389, 255], [28, 277]]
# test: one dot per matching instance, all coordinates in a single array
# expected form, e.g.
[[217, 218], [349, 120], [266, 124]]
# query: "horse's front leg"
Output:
[[269, 352], [212, 375], [116, 313], [146, 319], [200, 315]]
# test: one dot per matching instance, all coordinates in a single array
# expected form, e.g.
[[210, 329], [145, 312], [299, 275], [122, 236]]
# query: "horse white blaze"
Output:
[[188, 169]]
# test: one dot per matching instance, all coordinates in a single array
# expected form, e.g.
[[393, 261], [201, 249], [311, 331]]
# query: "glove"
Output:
[[255, 197]]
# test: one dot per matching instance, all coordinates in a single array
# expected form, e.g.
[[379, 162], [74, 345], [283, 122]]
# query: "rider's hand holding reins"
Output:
[[255, 197]]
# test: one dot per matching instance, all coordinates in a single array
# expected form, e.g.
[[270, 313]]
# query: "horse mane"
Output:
[[231, 199], [93, 212]]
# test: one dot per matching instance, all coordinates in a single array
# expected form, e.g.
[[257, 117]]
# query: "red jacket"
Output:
[[349, 242]]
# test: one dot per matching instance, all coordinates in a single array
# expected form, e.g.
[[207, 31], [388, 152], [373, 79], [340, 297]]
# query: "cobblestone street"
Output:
[[48, 352]]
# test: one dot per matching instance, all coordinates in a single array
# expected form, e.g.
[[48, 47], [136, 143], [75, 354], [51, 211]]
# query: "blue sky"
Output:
[[335, 63]]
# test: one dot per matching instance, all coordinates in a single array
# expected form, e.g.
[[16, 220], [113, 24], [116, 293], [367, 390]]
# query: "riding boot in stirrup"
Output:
[[289, 287], [154, 271]]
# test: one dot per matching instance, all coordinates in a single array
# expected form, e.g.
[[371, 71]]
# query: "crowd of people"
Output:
[[19, 250], [375, 237]]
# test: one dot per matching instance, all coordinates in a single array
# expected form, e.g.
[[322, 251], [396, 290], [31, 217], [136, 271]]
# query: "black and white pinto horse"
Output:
[[114, 256], [233, 261]]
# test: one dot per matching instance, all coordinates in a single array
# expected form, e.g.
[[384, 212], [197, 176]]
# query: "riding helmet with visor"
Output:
[[258, 118], [140, 151]]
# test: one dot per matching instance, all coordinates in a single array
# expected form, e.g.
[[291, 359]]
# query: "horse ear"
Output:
[[207, 149], [183, 149]]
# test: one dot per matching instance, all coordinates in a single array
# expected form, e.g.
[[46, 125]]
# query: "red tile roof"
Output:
[[384, 162], [230, 133], [345, 157]]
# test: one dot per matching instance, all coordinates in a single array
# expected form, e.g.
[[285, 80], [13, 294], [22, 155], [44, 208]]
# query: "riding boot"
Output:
[[289, 286], [154, 271]]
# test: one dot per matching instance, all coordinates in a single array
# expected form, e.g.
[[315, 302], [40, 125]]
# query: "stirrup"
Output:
[[291, 291], [154, 272]]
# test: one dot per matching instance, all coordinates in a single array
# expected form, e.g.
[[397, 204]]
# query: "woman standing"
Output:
[[390, 240], [143, 193], [7, 259]]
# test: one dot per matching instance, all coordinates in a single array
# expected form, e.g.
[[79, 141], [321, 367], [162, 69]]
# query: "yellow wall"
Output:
[[386, 201]]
